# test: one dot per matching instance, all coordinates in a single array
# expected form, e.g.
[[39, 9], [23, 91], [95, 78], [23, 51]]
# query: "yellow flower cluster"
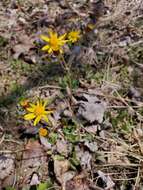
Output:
[[55, 42]]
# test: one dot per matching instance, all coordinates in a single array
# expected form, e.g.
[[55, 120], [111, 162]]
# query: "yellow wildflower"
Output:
[[43, 132], [55, 43], [37, 112], [73, 36]]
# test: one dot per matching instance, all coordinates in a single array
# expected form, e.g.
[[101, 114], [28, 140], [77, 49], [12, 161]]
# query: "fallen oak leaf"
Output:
[[7, 170], [92, 109], [79, 182], [92, 146], [62, 147], [106, 179], [60, 167], [34, 179], [24, 45], [6, 165], [45, 143], [84, 158], [33, 157]]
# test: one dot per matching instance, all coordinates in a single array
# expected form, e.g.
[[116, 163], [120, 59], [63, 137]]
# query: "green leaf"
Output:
[[9, 188], [27, 187], [45, 186], [59, 157], [53, 138], [42, 186], [72, 138]]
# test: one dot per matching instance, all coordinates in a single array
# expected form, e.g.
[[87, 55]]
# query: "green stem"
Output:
[[66, 68]]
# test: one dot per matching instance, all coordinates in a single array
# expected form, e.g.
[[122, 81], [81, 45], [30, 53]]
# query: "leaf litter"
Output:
[[85, 151]]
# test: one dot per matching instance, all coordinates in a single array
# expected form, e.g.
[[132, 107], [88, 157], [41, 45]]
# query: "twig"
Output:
[[120, 107], [136, 43], [137, 179], [123, 100], [123, 179], [107, 96], [2, 139], [121, 165], [13, 141], [136, 136], [50, 86]]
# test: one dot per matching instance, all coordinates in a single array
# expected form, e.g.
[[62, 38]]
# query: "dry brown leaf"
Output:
[[34, 179], [62, 147], [6, 165], [45, 143], [78, 183], [92, 129], [92, 146], [61, 167], [24, 45], [34, 157], [84, 157], [108, 181], [92, 109]]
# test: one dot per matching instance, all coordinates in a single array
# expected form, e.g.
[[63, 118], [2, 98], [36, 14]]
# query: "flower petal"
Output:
[[45, 118], [45, 103], [29, 116], [45, 38], [50, 50], [31, 109], [37, 120], [32, 105], [38, 103], [61, 51], [62, 37], [48, 112], [46, 47]]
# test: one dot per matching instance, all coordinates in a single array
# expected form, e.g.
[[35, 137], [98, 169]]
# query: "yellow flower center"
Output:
[[39, 110], [54, 43]]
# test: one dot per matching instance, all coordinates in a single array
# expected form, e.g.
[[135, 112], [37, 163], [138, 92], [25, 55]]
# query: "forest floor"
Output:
[[94, 138]]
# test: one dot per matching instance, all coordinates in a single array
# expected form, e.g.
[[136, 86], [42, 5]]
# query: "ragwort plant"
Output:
[[55, 45], [37, 112]]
